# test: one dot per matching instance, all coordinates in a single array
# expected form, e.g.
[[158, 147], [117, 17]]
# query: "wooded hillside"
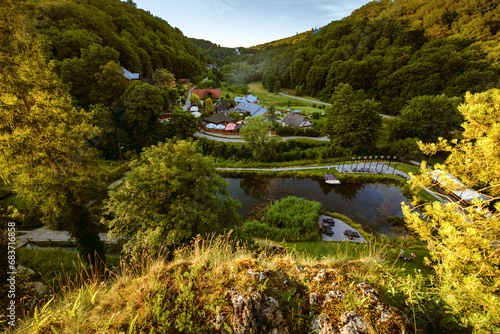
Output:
[[85, 35], [398, 50]]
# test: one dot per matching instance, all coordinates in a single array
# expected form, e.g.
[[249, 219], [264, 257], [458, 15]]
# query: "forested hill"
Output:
[[396, 50], [216, 54], [104, 30], [293, 40]]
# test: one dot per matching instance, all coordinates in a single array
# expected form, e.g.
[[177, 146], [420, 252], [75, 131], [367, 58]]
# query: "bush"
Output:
[[291, 219], [316, 115]]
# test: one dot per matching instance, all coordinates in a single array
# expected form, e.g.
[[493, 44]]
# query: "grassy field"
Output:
[[281, 102]]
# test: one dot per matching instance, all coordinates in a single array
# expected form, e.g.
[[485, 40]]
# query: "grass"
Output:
[[281, 102], [52, 265], [190, 292], [383, 138]]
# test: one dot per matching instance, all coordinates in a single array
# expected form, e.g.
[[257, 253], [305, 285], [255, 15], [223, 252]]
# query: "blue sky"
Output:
[[233, 23]]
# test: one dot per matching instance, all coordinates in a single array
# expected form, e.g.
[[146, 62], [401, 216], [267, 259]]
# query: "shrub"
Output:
[[291, 219]]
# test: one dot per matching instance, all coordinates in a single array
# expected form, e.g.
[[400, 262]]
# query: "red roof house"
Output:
[[204, 93]]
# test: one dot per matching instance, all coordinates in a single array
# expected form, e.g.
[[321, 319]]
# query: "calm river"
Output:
[[366, 204]]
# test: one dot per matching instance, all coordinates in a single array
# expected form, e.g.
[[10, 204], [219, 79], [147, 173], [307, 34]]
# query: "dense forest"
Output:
[[86, 35], [397, 50], [215, 54]]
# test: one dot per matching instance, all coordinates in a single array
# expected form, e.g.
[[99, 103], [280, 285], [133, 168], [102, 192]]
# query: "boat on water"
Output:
[[331, 179]]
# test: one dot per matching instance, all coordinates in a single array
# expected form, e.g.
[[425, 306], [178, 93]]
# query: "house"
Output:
[[216, 122], [223, 106], [129, 75], [247, 99], [296, 121], [219, 118], [183, 81], [251, 108], [213, 93]]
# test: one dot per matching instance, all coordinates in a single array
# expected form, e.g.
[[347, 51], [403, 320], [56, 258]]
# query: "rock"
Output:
[[323, 325], [219, 322], [255, 312], [369, 292], [353, 323], [313, 298], [331, 295]]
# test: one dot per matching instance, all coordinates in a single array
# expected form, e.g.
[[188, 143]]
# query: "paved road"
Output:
[[307, 100], [232, 139], [188, 103], [44, 234]]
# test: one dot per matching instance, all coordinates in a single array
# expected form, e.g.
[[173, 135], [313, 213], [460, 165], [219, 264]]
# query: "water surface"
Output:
[[366, 204]]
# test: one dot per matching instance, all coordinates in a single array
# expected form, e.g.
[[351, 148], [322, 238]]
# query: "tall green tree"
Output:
[[209, 106], [256, 133], [463, 237], [352, 120], [171, 194], [44, 151], [430, 117], [183, 124], [111, 84], [163, 77]]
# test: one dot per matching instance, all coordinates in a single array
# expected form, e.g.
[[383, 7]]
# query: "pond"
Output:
[[366, 204]]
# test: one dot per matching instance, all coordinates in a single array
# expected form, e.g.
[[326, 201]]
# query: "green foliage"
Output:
[[162, 76], [171, 194], [256, 134], [394, 51], [461, 236], [353, 120], [183, 124], [430, 117], [290, 219], [44, 152]]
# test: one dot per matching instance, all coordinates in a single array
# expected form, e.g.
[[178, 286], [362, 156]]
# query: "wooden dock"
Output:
[[331, 179]]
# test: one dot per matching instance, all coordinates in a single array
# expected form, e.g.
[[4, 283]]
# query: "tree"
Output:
[[430, 117], [195, 98], [144, 104], [111, 84], [209, 106], [277, 86], [163, 77], [183, 124], [352, 120], [171, 194], [44, 151], [256, 134], [462, 236], [272, 113]]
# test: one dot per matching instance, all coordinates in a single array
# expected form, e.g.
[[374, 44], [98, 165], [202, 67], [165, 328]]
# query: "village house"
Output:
[[251, 109], [296, 121], [247, 99], [213, 93], [129, 75]]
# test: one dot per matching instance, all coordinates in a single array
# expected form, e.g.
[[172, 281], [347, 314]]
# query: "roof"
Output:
[[252, 108], [202, 93], [296, 120], [219, 118], [247, 99], [451, 183], [129, 75]]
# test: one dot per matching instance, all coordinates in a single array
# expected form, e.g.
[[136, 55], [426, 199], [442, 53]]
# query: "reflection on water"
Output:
[[366, 204]]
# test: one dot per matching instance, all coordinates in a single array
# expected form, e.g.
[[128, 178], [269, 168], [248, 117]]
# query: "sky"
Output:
[[234, 23]]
